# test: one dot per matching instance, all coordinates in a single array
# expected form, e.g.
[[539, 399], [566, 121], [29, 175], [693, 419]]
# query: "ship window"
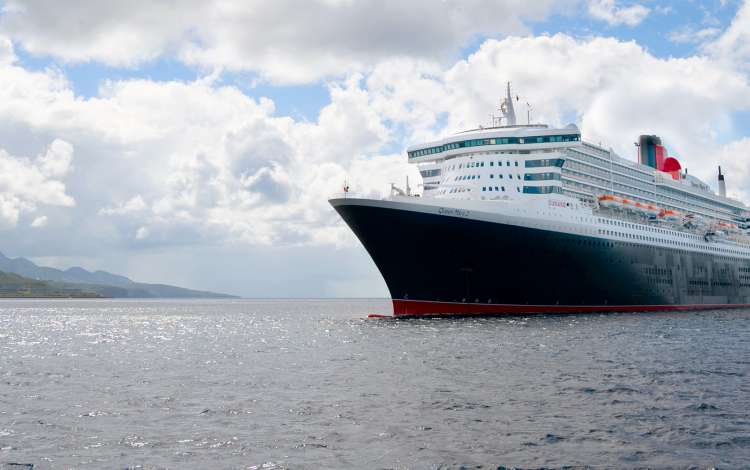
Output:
[[492, 163], [502, 188], [496, 188], [545, 162], [491, 176]]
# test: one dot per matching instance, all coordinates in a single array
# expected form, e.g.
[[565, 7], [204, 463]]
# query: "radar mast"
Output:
[[506, 107]]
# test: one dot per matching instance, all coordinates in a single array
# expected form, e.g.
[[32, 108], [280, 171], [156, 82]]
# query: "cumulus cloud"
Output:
[[120, 33], [733, 45], [27, 183], [283, 41], [187, 162], [608, 11]]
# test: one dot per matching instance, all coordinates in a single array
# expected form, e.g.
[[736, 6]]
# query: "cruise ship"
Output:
[[527, 218]]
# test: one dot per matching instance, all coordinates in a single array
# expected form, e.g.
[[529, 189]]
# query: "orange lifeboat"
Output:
[[670, 215], [629, 205], [652, 210], [727, 227], [610, 201]]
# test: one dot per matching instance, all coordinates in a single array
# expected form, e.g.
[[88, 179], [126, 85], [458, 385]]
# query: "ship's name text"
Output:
[[553, 203], [453, 212]]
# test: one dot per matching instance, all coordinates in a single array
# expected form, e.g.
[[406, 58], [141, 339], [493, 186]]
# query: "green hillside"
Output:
[[15, 286]]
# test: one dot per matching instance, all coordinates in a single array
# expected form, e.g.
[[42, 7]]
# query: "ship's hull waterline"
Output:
[[436, 264]]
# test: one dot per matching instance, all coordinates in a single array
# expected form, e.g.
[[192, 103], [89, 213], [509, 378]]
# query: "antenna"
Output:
[[528, 112]]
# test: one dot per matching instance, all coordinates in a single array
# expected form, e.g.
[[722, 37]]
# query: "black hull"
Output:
[[440, 264]]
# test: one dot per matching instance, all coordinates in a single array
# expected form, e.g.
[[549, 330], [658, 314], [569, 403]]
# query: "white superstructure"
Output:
[[520, 162]]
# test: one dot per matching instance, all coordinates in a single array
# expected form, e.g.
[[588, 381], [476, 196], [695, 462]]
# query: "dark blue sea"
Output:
[[314, 384]]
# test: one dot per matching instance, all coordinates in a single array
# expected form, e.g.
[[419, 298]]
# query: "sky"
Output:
[[196, 142]]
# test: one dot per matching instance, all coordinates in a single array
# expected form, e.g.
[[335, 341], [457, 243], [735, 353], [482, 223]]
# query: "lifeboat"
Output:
[[669, 215], [652, 210], [630, 205], [693, 220], [727, 227], [643, 208], [609, 201]]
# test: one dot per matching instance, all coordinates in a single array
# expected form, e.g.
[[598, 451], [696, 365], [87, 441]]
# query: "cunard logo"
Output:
[[453, 212]]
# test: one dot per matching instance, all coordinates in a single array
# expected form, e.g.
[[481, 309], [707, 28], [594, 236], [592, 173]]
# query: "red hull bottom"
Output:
[[419, 308]]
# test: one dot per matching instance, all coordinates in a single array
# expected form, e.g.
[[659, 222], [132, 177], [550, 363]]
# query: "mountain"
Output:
[[100, 283], [13, 285]]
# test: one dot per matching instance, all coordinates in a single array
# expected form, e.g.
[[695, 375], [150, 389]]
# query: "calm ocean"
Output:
[[313, 384]]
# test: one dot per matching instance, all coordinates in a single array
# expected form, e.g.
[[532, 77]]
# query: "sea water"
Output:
[[314, 384]]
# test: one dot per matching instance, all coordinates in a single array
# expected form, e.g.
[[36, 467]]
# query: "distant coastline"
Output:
[[22, 278]]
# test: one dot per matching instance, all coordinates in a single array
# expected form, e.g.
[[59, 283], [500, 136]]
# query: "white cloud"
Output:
[[40, 221], [283, 40], [688, 35], [188, 162], [142, 233], [608, 11], [735, 164], [733, 46], [134, 204], [7, 55], [56, 161], [26, 183]]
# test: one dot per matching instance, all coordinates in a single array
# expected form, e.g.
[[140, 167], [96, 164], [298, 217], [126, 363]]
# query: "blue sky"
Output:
[[201, 150]]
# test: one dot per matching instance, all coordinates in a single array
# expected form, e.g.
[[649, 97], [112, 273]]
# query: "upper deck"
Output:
[[516, 137]]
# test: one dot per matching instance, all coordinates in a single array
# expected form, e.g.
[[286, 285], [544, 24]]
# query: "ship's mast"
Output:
[[507, 108]]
